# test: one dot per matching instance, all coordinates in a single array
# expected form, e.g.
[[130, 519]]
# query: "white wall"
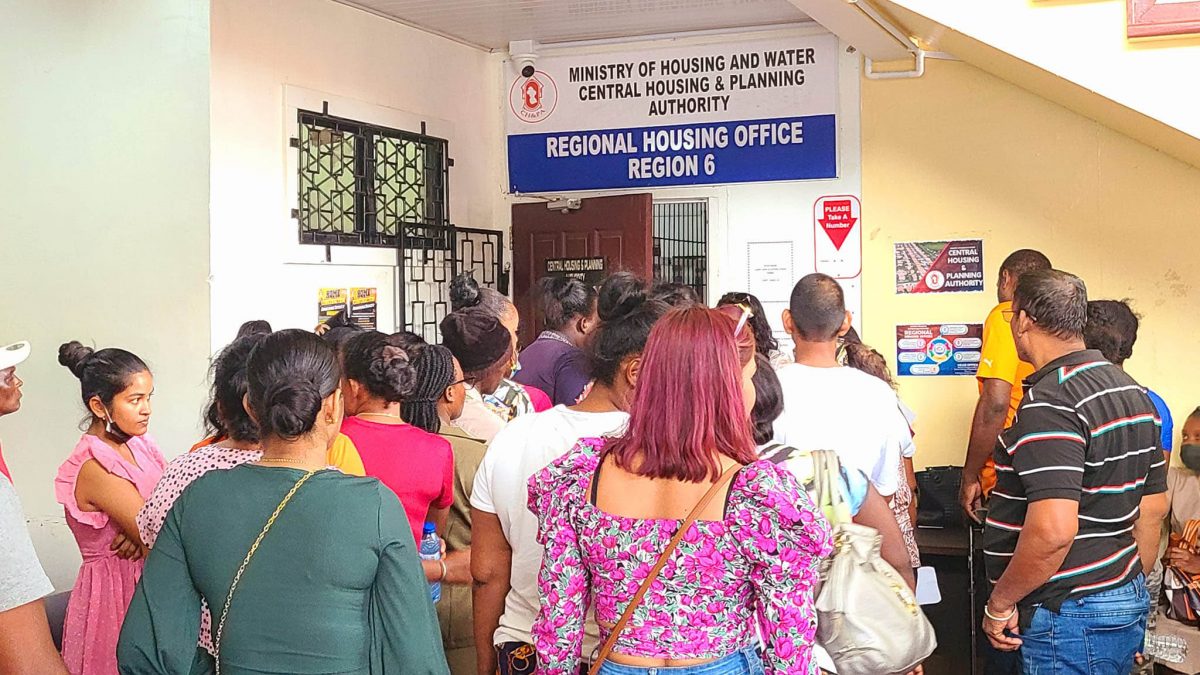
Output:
[[103, 221], [272, 57]]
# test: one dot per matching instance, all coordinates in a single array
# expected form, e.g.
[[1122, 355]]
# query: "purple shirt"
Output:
[[555, 366]]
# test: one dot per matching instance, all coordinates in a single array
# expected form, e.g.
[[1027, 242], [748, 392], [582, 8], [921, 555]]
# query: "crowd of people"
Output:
[[639, 490]]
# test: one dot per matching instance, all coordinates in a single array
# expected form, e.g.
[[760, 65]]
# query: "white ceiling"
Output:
[[492, 24]]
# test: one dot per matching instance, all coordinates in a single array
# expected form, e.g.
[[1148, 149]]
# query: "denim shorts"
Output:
[[1093, 635], [743, 662]]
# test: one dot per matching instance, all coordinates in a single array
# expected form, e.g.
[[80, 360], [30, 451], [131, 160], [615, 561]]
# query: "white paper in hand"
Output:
[[928, 592]]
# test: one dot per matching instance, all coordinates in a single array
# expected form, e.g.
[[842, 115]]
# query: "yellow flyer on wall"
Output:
[[330, 301], [363, 307]]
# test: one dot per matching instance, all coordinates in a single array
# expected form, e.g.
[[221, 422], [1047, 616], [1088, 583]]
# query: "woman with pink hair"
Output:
[[748, 563]]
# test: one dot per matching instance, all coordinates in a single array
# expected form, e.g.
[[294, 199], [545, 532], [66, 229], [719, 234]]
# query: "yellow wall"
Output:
[[959, 153]]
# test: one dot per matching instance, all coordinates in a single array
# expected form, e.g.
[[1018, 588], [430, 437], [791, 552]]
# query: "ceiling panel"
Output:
[[494, 23]]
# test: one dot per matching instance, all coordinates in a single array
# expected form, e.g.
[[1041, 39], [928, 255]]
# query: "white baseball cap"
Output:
[[14, 354]]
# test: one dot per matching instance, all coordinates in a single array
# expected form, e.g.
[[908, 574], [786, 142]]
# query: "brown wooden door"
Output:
[[619, 229]]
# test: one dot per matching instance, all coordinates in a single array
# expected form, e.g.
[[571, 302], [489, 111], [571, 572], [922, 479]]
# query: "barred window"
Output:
[[681, 244], [362, 184]]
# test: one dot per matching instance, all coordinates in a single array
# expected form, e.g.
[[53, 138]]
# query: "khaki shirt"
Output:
[[454, 610]]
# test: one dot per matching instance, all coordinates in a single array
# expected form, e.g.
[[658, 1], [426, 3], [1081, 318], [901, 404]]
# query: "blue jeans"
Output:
[[744, 662], [1093, 635]]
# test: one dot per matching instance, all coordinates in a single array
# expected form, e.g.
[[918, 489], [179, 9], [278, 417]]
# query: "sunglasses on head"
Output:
[[747, 314]]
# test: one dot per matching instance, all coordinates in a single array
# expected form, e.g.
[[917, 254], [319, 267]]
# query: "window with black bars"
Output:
[[432, 256], [681, 244], [363, 184]]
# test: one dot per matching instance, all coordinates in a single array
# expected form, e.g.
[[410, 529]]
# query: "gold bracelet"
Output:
[[442, 562]]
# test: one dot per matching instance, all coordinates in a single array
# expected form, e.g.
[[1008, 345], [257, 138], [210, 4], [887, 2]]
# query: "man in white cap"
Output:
[[25, 643], [10, 387]]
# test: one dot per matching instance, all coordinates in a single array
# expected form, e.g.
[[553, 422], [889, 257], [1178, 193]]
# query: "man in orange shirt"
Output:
[[1000, 376]]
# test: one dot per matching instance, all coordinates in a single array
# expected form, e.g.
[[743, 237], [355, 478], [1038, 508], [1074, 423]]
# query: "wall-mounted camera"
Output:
[[524, 55]]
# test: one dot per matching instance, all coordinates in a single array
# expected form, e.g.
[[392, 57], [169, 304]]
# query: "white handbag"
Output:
[[867, 618]]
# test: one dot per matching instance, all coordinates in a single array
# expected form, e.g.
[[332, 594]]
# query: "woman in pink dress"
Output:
[[102, 486]]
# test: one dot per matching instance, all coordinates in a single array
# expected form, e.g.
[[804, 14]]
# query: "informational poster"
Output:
[[770, 273], [938, 349], [837, 236], [939, 266], [330, 301], [757, 110], [364, 308], [588, 270]]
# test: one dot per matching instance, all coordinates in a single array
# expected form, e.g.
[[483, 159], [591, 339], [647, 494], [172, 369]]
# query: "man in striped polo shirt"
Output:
[[1079, 498]]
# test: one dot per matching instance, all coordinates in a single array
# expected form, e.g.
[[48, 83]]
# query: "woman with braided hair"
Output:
[[436, 401], [417, 465]]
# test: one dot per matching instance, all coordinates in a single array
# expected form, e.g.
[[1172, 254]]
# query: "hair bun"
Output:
[[620, 295], [394, 372], [556, 286], [464, 291], [74, 355], [292, 407]]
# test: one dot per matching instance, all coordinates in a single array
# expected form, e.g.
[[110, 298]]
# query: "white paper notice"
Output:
[[928, 592], [770, 272]]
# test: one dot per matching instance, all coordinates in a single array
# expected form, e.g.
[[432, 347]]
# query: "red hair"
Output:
[[688, 402]]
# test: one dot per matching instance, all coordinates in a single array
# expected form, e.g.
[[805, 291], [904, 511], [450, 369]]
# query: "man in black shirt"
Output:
[[1079, 498]]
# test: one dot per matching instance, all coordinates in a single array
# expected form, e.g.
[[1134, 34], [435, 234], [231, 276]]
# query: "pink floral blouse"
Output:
[[755, 569]]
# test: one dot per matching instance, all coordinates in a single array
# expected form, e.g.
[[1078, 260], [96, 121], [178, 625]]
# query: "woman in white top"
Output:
[[505, 556]]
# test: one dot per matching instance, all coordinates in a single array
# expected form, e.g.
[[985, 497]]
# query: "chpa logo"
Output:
[[939, 350], [533, 99]]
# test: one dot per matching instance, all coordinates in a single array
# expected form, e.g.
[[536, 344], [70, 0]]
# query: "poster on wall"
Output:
[[756, 110], [330, 301], [938, 349], [364, 308], [939, 266], [837, 236], [770, 274]]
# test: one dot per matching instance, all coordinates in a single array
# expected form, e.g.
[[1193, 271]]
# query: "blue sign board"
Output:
[[796, 148]]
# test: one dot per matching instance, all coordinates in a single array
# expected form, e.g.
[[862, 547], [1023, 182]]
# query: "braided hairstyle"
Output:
[[434, 366]]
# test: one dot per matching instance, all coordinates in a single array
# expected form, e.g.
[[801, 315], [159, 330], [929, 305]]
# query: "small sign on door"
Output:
[[588, 270]]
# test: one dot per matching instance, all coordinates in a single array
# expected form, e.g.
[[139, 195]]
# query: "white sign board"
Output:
[[757, 110]]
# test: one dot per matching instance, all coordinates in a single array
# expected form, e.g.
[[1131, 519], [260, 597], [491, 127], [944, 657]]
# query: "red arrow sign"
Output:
[[837, 220]]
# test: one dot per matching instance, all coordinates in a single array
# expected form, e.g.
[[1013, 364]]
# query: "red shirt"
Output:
[[417, 465]]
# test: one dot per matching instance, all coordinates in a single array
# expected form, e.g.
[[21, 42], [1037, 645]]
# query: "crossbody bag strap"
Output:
[[237, 578], [662, 561]]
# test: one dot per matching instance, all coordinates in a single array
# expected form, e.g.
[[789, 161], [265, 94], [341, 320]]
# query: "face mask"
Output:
[[114, 429], [1190, 455]]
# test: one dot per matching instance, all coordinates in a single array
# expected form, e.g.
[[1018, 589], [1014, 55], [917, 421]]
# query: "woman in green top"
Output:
[[333, 584]]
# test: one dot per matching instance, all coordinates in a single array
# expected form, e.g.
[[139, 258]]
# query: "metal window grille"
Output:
[[431, 256], [681, 244], [362, 184], [368, 185]]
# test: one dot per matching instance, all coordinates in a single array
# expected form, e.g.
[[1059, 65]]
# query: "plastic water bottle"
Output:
[[431, 549], [1165, 648]]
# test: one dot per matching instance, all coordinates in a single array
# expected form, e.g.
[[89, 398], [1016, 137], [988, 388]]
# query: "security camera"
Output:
[[524, 56]]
